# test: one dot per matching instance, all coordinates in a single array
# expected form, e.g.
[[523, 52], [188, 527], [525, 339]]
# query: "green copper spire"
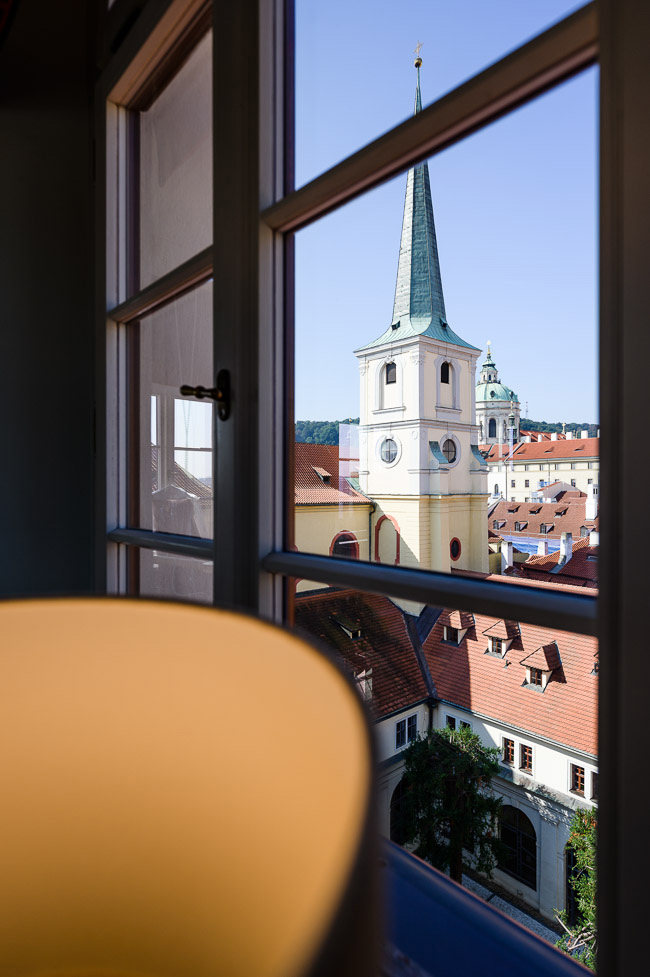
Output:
[[419, 307]]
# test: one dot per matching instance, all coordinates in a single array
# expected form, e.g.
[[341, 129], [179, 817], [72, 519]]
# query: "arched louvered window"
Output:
[[492, 428], [391, 373], [444, 373]]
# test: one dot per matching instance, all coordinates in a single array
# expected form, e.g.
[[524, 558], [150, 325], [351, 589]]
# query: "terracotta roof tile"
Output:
[[536, 515], [565, 712], [383, 645], [457, 619], [546, 657], [312, 460], [503, 629], [575, 448]]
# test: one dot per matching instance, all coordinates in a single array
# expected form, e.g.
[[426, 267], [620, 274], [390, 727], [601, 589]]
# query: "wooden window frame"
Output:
[[525, 758]]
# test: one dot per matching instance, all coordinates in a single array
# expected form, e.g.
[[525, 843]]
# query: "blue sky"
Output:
[[514, 205]]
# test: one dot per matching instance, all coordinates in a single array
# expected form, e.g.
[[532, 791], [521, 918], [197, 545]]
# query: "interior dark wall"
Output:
[[46, 322]]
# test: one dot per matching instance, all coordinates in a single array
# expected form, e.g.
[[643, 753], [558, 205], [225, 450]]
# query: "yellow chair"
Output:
[[185, 792]]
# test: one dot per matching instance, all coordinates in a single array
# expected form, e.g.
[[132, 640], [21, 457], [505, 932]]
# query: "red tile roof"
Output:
[[581, 570], [503, 629], [574, 449], [310, 459], [546, 513], [547, 657], [384, 644], [565, 712], [545, 435], [457, 619]]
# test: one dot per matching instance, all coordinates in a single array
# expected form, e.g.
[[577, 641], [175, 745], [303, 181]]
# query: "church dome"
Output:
[[495, 391]]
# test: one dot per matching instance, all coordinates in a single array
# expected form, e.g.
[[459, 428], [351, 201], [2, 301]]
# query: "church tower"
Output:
[[419, 459], [497, 406]]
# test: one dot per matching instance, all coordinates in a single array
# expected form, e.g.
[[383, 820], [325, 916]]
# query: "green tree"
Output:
[[580, 939], [448, 804]]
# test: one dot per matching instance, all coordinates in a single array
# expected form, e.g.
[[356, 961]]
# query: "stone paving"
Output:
[[506, 907]]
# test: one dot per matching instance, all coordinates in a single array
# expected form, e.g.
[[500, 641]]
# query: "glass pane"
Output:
[[171, 438], [158, 574], [444, 323], [442, 713], [354, 63], [175, 171]]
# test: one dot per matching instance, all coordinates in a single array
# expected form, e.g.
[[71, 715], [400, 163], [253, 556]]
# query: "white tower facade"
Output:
[[419, 459]]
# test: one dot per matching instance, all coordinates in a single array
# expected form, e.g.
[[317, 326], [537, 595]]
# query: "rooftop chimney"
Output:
[[591, 505], [554, 436], [540, 437], [584, 434], [569, 435], [542, 547], [506, 555], [593, 538], [566, 548]]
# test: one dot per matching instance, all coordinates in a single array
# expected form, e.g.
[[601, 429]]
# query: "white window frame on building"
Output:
[[252, 266]]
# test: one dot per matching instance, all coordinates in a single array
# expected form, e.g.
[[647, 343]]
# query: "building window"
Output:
[[449, 450], [496, 489], [444, 373], [492, 428], [512, 483], [465, 725], [590, 481], [451, 722], [577, 780], [594, 786], [520, 842], [526, 483], [573, 483], [508, 751], [451, 635], [454, 548], [388, 450], [543, 528], [345, 545], [526, 758], [405, 731], [391, 373], [535, 676]]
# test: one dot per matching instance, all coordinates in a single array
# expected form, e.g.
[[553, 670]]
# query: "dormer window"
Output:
[[322, 474], [546, 527], [351, 627], [391, 373], [520, 526], [444, 373], [451, 635], [540, 665], [535, 676], [364, 683]]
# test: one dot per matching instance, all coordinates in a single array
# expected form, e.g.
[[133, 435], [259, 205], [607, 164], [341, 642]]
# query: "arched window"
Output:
[[391, 373], [492, 428], [496, 488], [444, 373], [345, 545], [520, 842], [397, 833]]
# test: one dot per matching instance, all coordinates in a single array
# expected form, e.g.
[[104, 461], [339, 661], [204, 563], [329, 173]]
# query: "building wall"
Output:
[[543, 796], [583, 473], [316, 527]]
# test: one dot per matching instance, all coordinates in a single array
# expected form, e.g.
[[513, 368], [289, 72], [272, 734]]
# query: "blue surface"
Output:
[[447, 930], [528, 544]]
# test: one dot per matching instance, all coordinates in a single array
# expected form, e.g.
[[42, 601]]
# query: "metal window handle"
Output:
[[220, 393]]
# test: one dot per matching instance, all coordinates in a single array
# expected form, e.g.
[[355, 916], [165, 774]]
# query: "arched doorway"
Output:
[[520, 843]]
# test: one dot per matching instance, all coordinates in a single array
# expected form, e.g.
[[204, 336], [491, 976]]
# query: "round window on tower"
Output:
[[454, 548], [388, 451], [449, 450]]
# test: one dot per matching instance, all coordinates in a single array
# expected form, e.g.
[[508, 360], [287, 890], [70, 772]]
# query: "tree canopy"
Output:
[[447, 802], [321, 432], [580, 939]]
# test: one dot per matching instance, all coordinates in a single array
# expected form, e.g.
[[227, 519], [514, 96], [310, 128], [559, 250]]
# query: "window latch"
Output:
[[220, 393]]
